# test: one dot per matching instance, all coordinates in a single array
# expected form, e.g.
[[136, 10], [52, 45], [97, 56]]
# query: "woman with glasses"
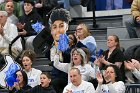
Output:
[[110, 81], [21, 84], [84, 38], [78, 60]]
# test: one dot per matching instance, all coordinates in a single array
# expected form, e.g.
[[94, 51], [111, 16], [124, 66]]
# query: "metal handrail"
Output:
[[12, 42], [132, 88]]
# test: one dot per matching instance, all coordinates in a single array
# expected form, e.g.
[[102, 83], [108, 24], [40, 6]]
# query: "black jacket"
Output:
[[30, 19], [22, 89], [39, 89]]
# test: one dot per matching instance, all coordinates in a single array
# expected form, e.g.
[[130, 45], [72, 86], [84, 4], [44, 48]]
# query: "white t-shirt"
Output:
[[84, 87], [33, 77], [117, 87]]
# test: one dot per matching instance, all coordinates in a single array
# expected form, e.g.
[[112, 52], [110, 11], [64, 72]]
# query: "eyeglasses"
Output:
[[79, 29]]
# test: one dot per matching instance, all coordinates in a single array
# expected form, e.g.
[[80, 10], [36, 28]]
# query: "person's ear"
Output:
[[50, 80], [67, 27]]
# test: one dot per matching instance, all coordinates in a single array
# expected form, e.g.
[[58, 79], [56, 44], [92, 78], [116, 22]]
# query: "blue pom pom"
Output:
[[100, 52], [37, 26], [63, 43], [10, 80], [11, 74]]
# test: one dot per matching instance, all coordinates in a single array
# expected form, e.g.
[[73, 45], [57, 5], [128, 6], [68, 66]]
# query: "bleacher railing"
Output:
[[132, 88]]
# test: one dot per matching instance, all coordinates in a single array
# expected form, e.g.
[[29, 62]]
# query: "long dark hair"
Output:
[[25, 77], [116, 71]]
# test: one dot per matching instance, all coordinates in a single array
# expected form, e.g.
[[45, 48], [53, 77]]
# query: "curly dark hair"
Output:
[[117, 72], [60, 14], [29, 53]]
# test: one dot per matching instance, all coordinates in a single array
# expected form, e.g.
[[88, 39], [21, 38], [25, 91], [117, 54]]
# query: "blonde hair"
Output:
[[85, 29], [83, 56], [4, 13]]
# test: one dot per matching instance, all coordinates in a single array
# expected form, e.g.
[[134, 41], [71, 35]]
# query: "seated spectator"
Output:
[[18, 11], [22, 83], [133, 23], [78, 60], [26, 21], [28, 56], [113, 55], [84, 38], [134, 67], [72, 40], [78, 85], [72, 44], [113, 82], [44, 87], [9, 8], [8, 32]]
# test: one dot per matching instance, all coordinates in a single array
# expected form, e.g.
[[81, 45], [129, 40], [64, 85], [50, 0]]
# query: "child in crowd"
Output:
[[44, 87]]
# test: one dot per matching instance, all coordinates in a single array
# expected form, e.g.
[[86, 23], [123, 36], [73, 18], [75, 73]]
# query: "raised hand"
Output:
[[129, 65], [136, 63], [20, 26], [24, 32], [107, 76], [68, 91], [16, 85], [1, 30], [99, 78]]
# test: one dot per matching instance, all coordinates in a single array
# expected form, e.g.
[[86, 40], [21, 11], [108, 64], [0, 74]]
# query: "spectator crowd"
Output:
[[77, 65]]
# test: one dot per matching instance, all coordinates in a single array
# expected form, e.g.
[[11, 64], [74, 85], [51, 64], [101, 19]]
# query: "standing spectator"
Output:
[[133, 23], [33, 74], [8, 32], [22, 83], [26, 21], [9, 8], [84, 38], [113, 82], [114, 4], [78, 85]]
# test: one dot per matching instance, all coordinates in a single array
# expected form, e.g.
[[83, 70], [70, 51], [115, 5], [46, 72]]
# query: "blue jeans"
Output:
[[69, 3], [114, 4], [131, 26]]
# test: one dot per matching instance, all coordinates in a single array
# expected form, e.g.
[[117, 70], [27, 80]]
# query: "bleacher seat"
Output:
[[44, 68], [78, 11], [4, 91], [42, 64], [41, 61], [125, 43], [121, 32]]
